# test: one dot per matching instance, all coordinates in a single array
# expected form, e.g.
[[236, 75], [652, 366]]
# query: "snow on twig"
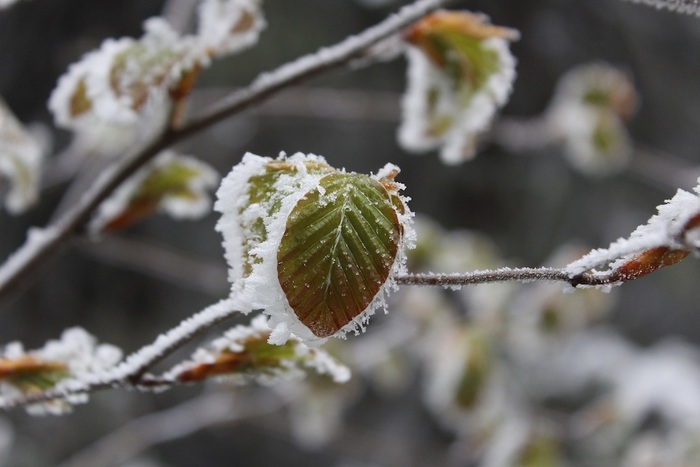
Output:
[[689, 7]]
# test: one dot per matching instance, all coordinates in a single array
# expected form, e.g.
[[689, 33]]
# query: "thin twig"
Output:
[[689, 7], [506, 275], [18, 269], [205, 411], [131, 373]]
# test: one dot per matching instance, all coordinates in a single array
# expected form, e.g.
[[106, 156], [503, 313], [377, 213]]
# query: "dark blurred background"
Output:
[[528, 205]]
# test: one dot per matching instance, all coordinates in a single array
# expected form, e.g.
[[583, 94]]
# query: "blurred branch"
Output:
[[205, 411], [322, 103], [44, 243], [690, 7], [155, 260], [132, 372]]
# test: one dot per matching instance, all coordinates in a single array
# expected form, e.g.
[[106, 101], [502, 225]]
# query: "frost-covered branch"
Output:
[[131, 372], [309, 66], [44, 243], [690, 7], [486, 276]]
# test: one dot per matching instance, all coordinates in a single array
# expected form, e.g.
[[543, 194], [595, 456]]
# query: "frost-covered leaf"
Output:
[[667, 238], [460, 72], [244, 355], [300, 234], [690, 7], [229, 26], [588, 113], [122, 91], [647, 262], [20, 162], [75, 356], [30, 374], [337, 250], [464, 383], [175, 184]]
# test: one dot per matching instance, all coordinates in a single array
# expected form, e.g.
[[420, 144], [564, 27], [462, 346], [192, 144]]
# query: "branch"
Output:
[[178, 422], [41, 244], [131, 373], [689, 7], [507, 275]]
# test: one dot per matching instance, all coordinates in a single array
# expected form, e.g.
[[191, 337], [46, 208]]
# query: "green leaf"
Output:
[[337, 251]]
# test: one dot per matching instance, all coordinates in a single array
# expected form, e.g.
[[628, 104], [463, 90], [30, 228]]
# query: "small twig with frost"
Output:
[[690, 7], [504, 275], [44, 243], [131, 373]]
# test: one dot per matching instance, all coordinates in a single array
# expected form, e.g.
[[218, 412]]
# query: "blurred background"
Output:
[[128, 287]]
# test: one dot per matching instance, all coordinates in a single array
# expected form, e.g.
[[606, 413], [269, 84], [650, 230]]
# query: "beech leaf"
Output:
[[337, 251]]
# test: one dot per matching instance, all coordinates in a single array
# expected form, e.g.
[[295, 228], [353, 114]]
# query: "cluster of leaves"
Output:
[[318, 250]]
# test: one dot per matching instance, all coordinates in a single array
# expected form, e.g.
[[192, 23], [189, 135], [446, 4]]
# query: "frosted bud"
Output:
[[77, 355], [667, 238], [174, 184], [243, 355], [460, 71], [122, 91], [229, 26], [314, 247]]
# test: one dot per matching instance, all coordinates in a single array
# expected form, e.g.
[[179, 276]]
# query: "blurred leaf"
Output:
[[32, 374]]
